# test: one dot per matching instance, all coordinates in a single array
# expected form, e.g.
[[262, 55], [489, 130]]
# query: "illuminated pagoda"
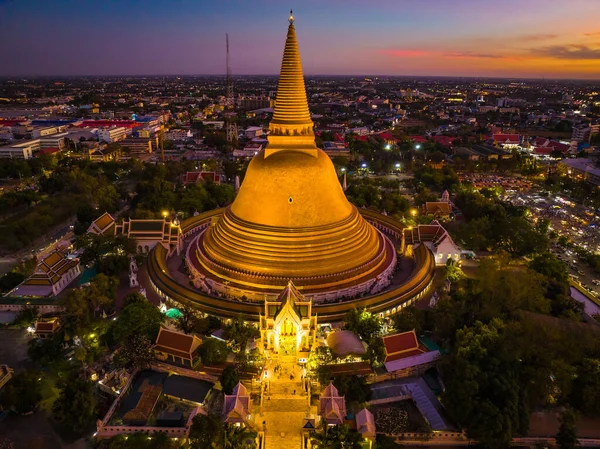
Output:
[[291, 219], [291, 229]]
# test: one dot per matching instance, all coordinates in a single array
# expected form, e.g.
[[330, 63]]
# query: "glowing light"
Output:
[[31, 330], [418, 146], [413, 212], [364, 165], [387, 147]]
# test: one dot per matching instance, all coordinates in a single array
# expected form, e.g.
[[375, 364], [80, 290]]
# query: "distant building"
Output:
[[439, 209], [50, 277], [584, 131], [22, 150], [139, 145], [508, 141], [253, 132], [105, 154], [115, 134], [436, 238], [194, 177], [580, 169], [147, 233]]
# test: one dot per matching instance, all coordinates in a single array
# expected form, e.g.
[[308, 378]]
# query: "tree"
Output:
[[213, 351], [206, 431], [335, 437], [27, 316], [239, 438], [484, 392], [136, 352], [238, 332], [409, 318], [102, 292], [566, 438], [22, 393], [188, 320], [137, 317], [107, 198], [363, 323], [586, 388], [386, 442], [354, 388], [75, 405], [229, 379]]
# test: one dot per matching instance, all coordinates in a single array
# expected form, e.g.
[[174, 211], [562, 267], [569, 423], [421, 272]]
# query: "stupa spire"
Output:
[[291, 128]]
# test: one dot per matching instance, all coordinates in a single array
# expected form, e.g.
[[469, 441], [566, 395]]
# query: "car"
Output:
[[581, 273], [596, 282]]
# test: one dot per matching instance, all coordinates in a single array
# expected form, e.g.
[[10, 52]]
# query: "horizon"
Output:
[[547, 39]]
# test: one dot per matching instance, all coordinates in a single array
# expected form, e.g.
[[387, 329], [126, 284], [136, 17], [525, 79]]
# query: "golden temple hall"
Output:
[[291, 224]]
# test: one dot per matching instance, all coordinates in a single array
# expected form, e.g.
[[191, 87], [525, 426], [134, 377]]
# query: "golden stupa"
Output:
[[291, 219]]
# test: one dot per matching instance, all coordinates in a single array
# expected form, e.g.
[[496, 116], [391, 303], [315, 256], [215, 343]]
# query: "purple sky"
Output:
[[528, 38]]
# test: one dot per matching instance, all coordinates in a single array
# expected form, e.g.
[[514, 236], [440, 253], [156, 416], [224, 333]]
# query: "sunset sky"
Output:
[[507, 38]]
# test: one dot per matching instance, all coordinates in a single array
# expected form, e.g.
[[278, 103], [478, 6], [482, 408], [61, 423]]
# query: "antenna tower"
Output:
[[230, 103]]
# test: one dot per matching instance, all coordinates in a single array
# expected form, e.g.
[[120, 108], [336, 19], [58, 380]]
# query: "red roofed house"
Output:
[[194, 177], [441, 209], [177, 347], [400, 346], [404, 352], [332, 406], [45, 329], [507, 140], [236, 406], [418, 139], [444, 140]]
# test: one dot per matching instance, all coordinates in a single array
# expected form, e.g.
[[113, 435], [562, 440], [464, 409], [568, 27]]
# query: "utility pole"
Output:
[[162, 146], [231, 127]]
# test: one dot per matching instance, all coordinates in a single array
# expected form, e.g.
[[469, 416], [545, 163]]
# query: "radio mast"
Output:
[[231, 127]]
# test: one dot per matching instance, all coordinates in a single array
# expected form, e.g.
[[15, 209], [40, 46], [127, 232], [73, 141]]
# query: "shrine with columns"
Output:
[[288, 325]]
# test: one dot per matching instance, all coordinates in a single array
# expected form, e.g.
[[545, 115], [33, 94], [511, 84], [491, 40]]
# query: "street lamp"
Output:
[[387, 147], [364, 165], [413, 212], [165, 213], [417, 146], [343, 169], [397, 166]]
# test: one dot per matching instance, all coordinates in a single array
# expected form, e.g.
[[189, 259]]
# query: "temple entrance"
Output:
[[288, 338]]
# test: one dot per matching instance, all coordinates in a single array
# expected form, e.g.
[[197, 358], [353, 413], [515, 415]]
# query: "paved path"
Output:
[[284, 408]]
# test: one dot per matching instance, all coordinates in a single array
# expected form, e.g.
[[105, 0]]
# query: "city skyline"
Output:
[[539, 39]]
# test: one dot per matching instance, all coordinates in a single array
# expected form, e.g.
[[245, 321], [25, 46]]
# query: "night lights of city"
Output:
[[334, 224]]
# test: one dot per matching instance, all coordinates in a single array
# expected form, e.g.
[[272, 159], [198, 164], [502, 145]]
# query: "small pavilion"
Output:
[[332, 406], [288, 325], [236, 406]]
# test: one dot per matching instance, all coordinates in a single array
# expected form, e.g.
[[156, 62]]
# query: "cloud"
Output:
[[597, 33], [537, 37], [404, 53], [571, 51], [471, 55]]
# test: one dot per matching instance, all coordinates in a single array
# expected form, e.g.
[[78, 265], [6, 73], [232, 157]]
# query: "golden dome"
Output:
[[291, 219]]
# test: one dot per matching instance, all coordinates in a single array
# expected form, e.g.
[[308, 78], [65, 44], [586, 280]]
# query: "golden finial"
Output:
[[291, 17]]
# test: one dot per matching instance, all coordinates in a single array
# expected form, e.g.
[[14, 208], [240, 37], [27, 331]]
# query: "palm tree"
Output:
[[239, 438]]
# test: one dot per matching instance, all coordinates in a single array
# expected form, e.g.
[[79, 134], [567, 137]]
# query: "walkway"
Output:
[[285, 406]]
